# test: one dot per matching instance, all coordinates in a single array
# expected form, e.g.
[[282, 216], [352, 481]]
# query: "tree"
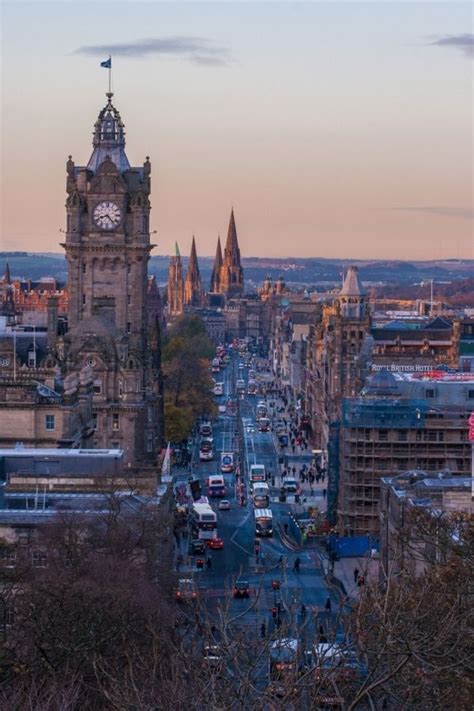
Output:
[[187, 381]]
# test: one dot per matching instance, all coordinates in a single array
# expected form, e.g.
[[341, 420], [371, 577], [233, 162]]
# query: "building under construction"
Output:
[[400, 422]]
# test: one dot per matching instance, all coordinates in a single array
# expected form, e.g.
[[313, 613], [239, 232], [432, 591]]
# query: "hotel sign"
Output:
[[403, 368], [471, 428]]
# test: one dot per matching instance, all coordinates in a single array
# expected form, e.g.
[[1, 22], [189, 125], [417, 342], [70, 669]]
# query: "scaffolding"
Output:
[[384, 413]]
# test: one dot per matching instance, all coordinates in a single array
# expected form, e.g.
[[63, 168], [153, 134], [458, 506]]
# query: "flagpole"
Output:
[[110, 74]]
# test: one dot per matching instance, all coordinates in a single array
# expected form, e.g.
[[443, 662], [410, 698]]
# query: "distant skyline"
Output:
[[334, 129]]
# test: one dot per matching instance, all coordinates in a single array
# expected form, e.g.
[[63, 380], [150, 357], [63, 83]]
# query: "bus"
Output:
[[263, 424], [205, 451], [203, 520], [240, 386], [216, 365], [227, 462], [260, 495], [263, 522], [257, 473], [261, 409], [216, 485], [218, 389], [284, 664]]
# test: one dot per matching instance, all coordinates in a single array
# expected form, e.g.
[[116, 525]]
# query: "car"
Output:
[[186, 590], [197, 547], [241, 588], [211, 654], [215, 544], [224, 505], [222, 409]]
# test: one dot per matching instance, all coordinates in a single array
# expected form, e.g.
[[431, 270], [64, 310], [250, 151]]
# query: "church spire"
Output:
[[216, 271], [193, 293], [232, 275], [109, 138], [7, 277], [175, 284]]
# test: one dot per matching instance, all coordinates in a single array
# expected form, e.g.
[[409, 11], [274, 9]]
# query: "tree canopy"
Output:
[[187, 381]]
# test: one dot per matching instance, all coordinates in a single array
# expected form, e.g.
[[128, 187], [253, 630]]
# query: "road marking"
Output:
[[237, 531]]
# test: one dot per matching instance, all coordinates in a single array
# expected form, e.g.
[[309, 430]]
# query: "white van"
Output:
[[260, 495]]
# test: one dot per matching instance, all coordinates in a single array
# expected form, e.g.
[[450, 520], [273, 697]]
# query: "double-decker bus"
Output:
[[203, 519], [263, 522], [260, 495], [261, 409], [216, 485]]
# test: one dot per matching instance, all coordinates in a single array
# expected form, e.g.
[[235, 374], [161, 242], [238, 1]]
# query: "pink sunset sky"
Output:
[[334, 129]]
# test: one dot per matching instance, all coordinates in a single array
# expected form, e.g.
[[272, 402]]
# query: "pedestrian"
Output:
[[296, 565], [328, 605], [293, 470], [324, 493], [303, 611], [273, 480], [209, 563], [285, 527], [262, 630], [356, 574]]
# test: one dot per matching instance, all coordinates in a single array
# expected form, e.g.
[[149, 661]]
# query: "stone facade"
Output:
[[107, 249]]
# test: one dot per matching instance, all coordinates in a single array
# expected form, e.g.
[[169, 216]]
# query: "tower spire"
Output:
[[216, 270], [193, 293], [232, 276]]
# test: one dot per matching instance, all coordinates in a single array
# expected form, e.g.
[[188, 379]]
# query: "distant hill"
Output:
[[299, 272]]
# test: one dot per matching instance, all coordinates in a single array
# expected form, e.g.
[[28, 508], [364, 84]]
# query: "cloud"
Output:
[[464, 213], [198, 50], [463, 42]]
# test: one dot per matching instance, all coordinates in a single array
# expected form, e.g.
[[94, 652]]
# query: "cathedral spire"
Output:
[[175, 284], [109, 138], [193, 293], [232, 275], [216, 270]]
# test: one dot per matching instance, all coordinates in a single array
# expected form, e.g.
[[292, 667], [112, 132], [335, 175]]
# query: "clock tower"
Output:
[[107, 250]]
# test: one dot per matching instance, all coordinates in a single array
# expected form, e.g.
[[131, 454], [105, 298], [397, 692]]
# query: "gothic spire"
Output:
[[176, 250], [232, 251], [216, 271], [193, 293], [109, 138]]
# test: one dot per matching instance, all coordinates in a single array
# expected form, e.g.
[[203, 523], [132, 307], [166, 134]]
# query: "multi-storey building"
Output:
[[399, 422], [107, 249]]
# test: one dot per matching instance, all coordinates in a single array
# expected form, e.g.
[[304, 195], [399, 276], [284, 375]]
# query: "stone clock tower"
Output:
[[107, 249]]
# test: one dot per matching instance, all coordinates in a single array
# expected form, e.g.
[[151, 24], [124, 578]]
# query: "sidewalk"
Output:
[[344, 570]]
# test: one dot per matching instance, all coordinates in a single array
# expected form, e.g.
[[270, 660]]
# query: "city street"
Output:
[[236, 527]]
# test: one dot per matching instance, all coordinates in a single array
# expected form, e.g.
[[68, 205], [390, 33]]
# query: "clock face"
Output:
[[107, 215]]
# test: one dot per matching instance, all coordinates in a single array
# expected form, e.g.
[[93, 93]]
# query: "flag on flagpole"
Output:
[[107, 64]]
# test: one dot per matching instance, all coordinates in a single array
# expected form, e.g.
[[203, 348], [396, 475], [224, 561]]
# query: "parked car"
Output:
[[224, 505], [241, 588]]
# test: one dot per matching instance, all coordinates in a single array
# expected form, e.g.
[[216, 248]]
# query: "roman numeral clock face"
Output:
[[107, 215]]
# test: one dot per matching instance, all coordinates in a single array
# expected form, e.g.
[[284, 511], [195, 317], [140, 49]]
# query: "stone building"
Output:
[[107, 250], [399, 422], [437, 495]]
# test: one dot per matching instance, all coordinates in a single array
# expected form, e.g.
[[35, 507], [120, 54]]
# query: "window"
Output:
[[32, 359], [402, 435], [383, 435], [129, 327], [83, 267], [115, 445], [129, 299], [9, 558], [49, 423], [149, 444], [97, 387], [68, 227], [39, 559], [145, 223], [115, 421], [470, 394], [83, 299], [129, 268], [430, 393], [120, 387], [94, 420]]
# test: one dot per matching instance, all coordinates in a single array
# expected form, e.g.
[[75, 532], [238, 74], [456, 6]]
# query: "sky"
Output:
[[339, 129]]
